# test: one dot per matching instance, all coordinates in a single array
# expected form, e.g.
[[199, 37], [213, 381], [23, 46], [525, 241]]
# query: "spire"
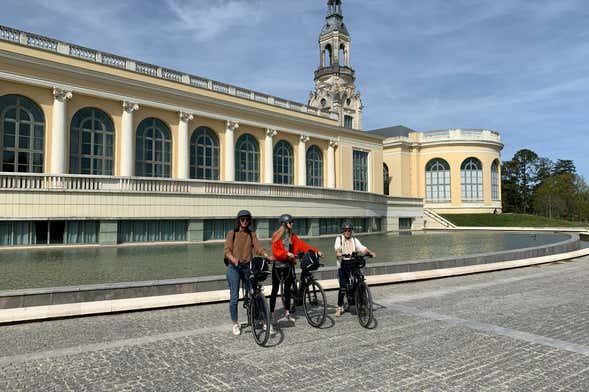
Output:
[[335, 18]]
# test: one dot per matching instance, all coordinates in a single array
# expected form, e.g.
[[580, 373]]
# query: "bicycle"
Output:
[[306, 291], [254, 301], [357, 292]]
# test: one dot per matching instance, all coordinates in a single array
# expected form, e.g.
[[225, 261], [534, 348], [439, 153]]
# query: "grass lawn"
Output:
[[509, 220]]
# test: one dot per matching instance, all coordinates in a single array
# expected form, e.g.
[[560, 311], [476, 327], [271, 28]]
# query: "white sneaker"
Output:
[[289, 318], [236, 329], [272, 331]]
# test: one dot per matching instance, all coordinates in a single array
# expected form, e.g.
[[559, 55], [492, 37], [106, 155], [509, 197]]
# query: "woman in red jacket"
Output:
[[285, 246]]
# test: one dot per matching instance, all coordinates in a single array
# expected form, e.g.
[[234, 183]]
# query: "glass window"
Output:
[[283, 163], [217, 229], [471, 179], [348, 121], [437, 181], [22, 134], [154, 146], [91, 143], [204, 154], [247, 159], [386, 179], [495, 181], [360, 167], [314, 166]]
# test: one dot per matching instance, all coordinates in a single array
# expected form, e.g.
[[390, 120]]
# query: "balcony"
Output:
[[335, 69]]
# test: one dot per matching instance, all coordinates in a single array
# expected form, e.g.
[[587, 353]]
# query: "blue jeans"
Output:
[[234, 276]]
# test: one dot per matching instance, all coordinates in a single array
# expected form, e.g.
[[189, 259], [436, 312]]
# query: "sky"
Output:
[[520, 67]]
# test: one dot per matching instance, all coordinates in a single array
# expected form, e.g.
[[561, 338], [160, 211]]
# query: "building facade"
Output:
[[98, 148], [454, 171]]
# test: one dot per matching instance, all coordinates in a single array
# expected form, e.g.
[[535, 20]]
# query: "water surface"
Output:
[[65, 267]]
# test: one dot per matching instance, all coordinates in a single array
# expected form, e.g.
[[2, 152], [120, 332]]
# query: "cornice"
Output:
[[195, 97]]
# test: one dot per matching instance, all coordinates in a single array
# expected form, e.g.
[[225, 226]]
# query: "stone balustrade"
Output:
[[448, 135], [81, 183], [67, 49]]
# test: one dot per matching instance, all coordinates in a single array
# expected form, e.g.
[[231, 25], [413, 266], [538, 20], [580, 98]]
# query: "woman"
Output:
[[240, 245], [345, 245], [285, 246]]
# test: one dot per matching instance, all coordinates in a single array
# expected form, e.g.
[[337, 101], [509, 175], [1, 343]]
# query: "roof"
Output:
[[398, 130]]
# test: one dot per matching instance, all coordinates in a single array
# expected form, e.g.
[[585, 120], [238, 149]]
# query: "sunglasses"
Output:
[[347, 230], [243, 219]]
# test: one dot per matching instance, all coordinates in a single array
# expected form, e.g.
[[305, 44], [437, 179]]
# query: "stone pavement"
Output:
[[517, 330]]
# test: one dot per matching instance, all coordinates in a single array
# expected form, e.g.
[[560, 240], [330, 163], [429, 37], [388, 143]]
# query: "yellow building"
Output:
[[99, 148], [454, 171]]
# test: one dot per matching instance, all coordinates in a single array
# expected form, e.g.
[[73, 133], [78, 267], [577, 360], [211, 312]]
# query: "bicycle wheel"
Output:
[[314, 304], [364, 304], [259, 319]]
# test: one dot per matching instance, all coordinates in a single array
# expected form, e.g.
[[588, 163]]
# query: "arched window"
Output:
[[283, 163], [204, 154], [247, 159], [314, 166], [342, 55], [386, 179], [437, 181], [471, 179], [327, 56], [495, 195], [154, 149], [22, 135], [92, 134]]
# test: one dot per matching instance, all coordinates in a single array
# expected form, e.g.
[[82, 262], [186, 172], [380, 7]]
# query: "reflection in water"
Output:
[[66, 267]]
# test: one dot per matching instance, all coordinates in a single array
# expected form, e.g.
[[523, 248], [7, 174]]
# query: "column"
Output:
[[183, 146], [269, 156], [59, 131], [331, 164], [230, 150], [302, 160], [127, 140]]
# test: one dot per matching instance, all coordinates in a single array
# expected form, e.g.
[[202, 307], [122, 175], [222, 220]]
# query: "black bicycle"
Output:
[[306, 291], [357, 292], [254, 301]]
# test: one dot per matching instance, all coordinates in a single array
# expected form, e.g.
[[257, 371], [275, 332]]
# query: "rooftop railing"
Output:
[[82, 183], [450, 135], [67, 49]]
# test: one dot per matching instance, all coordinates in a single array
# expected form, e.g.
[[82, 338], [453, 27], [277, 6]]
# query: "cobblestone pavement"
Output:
[[517, 330]]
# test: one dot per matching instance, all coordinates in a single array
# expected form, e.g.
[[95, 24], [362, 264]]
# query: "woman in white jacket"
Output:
[[345, 245]]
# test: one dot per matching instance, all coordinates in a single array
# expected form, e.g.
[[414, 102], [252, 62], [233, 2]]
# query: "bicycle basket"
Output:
[[259, 268], [360, 261], [310, 261]]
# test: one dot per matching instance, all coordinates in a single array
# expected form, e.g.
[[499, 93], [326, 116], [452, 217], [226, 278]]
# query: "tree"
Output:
[[544, 169], [565, 166], [526, 162]]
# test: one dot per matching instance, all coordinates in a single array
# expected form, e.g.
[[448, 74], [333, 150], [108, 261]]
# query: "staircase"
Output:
[[433, 220]]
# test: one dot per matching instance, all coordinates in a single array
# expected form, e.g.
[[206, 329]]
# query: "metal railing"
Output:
[[67, 49]]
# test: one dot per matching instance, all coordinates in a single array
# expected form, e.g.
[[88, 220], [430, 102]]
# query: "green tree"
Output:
[[564, 166], [526, 162]]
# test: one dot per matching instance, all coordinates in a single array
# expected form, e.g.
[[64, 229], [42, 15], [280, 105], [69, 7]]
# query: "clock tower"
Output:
[[334, 79]]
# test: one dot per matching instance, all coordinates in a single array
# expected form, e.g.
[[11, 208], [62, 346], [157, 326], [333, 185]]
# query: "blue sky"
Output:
[[520, 67]]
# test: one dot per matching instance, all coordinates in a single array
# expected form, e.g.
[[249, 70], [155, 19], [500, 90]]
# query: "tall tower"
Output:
[[334, 79]]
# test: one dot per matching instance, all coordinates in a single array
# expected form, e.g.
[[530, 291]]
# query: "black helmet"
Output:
[[347, 225], [285, 218], [244, 214]]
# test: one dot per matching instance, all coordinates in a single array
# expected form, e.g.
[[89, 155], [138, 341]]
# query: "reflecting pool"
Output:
[[65, 267]]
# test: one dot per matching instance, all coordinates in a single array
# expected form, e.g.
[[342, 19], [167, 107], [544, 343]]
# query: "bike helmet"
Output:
[[347, 225], [285, 218], [244, 214]]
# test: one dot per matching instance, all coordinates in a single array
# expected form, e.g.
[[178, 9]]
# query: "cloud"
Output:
[[206, 19]]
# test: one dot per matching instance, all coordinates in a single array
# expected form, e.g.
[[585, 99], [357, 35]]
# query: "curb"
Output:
[[37, 313]]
